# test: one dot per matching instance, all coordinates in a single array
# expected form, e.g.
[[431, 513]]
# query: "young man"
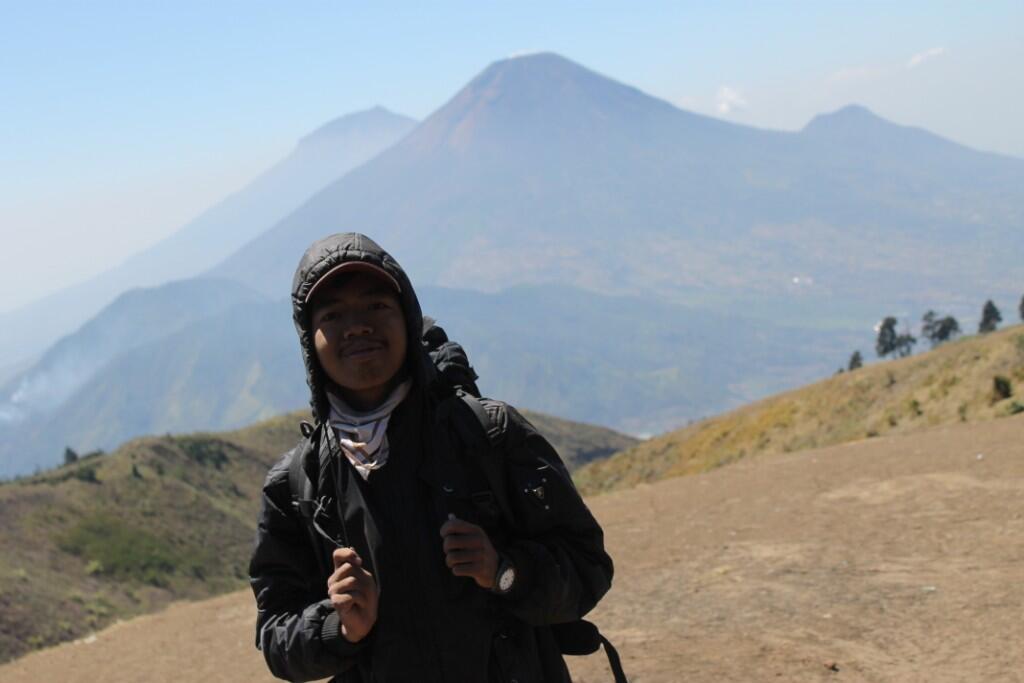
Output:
[[412, 573]]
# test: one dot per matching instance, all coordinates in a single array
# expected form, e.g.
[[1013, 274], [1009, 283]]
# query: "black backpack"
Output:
[[578, 637]]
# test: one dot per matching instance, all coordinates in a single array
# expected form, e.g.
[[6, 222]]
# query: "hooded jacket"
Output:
[[431, 626]]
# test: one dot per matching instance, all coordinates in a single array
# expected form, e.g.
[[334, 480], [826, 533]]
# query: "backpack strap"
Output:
[[303, 492], [491, 429], [483, 468], [575, 637], [299, 482], [613, 660]]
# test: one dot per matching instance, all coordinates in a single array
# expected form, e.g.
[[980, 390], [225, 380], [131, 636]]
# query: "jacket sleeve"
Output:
[[556, 545], [297, 629]]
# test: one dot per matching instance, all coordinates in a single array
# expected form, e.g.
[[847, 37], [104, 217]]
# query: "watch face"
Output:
[[506, 580]]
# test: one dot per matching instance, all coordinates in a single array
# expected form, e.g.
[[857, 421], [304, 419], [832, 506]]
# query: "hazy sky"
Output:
[[122, 121]]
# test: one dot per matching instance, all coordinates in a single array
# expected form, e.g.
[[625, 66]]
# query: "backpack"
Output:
[[479, 434]]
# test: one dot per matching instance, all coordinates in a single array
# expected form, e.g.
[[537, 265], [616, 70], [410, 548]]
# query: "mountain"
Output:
[[540, 171], [720, 263], [532, 153], [136, 318], [956, 382], [216, 372], [161, 519], [319, 158], [636, 365]]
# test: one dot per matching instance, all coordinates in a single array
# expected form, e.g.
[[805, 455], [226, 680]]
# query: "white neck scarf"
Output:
[[363, 435]]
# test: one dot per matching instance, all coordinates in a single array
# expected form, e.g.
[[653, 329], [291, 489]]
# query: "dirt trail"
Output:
[[897, 559]]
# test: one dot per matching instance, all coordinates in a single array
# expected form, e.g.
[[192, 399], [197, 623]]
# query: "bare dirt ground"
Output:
[[895, 559]]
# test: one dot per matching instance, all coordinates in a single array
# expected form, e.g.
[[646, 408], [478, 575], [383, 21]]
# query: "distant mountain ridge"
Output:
[[532, 346], [320, 157], [540, 170]]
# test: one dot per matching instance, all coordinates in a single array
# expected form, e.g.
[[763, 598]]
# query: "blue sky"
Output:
[[122, 121]]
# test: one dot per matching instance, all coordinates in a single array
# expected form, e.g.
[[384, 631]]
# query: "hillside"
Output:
[[953, 383], [191, 355], [161, 519], [578, 443], [135, 318], [894, 559]]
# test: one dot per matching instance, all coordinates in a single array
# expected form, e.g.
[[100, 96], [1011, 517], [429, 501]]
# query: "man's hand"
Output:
[[468, 551], [353, 592]]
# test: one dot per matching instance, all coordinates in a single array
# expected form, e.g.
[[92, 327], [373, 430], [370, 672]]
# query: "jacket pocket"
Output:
[[538, 493]]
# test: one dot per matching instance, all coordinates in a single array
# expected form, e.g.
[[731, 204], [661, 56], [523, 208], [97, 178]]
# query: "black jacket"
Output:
[[431, 625]]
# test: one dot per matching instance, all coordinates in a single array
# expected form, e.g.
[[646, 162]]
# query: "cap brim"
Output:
[[353, 267]]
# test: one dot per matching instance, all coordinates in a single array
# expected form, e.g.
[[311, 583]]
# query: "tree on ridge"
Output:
[[889, 341], [990, 318], [938, 330]]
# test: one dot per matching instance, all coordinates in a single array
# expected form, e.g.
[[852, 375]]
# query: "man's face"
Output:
[[360, 336]]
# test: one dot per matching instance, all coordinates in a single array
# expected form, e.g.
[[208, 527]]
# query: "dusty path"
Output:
[[897, 559]]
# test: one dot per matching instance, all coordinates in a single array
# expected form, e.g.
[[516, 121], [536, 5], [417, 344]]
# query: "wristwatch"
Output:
[[505, 577]]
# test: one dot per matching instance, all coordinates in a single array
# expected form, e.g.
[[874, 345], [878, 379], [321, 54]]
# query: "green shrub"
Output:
[[86, 474], [1001, 388], [204, 451], [112, 548]]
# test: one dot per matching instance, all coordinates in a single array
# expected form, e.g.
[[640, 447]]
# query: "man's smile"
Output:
[[362, 347]]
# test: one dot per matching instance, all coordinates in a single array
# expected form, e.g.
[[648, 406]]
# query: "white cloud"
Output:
[[729, 99], [922, 57], [864, 73]]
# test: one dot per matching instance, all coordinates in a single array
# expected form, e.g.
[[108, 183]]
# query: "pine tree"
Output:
[[885, 343], [990, 318], [937, 330], [856, 361], [890, 341]]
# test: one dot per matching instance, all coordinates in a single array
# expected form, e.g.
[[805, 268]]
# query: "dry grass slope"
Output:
[[889, 559], [951, 384], [160, 519]]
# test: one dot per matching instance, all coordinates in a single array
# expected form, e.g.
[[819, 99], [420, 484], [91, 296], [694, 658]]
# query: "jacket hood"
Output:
[[320, 258]]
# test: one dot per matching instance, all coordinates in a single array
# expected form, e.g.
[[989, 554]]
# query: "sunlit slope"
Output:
[[950, 384], [889, 559], [160, 519]]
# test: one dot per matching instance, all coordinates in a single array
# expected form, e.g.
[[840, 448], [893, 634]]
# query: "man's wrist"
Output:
[[333, 639]]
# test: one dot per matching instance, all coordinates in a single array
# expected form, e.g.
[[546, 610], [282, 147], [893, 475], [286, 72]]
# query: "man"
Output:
[[409, 574]]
